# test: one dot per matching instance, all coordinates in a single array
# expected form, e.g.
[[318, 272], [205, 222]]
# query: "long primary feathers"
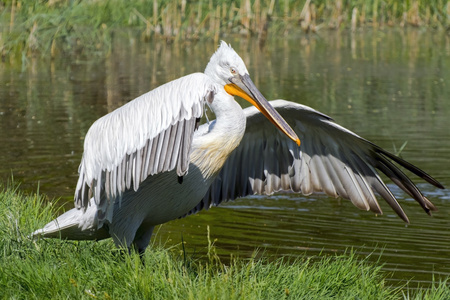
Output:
[[331, 159]]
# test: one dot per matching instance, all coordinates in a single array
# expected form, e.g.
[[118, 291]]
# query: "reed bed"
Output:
[[56, 269], [51, 27]]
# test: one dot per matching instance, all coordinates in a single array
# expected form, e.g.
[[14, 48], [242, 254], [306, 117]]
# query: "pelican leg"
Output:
[[142, 238]]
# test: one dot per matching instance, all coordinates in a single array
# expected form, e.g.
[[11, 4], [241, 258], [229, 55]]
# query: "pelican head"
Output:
[[225, 63], [228, 69]]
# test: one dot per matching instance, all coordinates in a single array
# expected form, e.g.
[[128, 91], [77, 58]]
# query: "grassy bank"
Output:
[[65, 269], [55, 26]]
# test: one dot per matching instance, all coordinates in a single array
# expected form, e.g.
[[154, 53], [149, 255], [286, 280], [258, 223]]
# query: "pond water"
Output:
[[390, 87]]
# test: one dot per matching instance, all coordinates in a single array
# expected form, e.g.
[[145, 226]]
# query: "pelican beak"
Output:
[[244, 87]]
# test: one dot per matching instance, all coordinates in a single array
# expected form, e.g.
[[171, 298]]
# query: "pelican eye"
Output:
[[233, 71]]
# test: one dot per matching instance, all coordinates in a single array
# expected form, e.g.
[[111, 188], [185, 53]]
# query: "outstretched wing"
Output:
[[330, 159], [149, 135]]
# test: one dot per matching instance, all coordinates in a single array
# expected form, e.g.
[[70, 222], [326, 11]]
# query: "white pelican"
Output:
[[148, 162]]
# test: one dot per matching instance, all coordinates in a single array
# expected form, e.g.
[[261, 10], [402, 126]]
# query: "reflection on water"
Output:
[[390, 87]]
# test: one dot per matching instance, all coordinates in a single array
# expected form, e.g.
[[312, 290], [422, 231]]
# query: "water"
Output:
[[390, 87]]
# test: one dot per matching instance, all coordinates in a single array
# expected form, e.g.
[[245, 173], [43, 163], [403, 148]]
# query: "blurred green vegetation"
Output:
[[74, 26]]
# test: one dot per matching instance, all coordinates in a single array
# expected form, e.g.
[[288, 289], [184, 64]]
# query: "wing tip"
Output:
[[419, 172]]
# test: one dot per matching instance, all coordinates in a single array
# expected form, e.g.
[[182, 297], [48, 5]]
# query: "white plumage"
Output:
[[147, 163], [136, 140]]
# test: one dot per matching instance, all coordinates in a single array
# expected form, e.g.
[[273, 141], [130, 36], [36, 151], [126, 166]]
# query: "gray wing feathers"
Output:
[[331, 159], [149, 135]]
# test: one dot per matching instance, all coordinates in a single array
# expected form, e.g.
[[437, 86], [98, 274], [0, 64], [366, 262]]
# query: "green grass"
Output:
[[74, 26], [56, 269]]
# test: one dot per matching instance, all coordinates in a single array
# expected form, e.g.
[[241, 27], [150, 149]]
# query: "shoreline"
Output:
[[89, 269]]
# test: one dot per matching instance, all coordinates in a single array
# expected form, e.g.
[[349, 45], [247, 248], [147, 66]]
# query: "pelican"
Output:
[[149, 161]]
